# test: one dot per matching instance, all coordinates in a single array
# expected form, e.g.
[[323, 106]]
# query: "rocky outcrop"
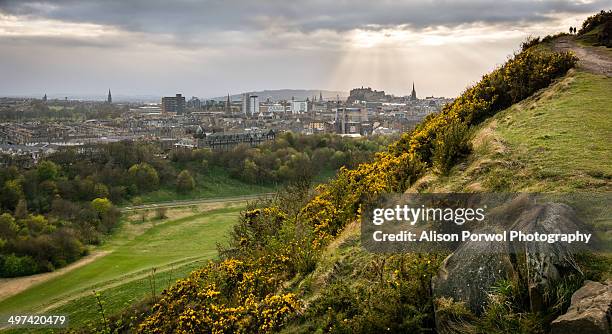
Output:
[[590, 311], [468, 274]]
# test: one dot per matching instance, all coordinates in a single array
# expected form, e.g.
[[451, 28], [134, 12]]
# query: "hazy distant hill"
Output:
[[286, 94]]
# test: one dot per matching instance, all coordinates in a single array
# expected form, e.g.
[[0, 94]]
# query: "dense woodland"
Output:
[[49, 213]]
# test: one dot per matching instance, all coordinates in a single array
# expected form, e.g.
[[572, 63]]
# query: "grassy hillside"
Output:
[[173, 247], [556, 140], [294, 262]]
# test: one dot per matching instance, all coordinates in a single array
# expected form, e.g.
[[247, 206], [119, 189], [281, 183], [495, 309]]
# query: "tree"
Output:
[[101, 190], [101, 206], [10, 194], [8, 227], [47, 170], [185, 182], [145, 176]]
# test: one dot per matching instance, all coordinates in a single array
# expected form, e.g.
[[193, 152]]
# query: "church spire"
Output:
[[109, 99], [413, 94], [228, 104]]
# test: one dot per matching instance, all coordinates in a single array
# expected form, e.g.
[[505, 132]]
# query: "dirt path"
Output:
[[181, 203], [592, 59], [13, 286]]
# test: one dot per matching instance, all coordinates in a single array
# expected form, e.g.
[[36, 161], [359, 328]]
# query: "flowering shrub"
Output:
[[230, 296], [593, 21], [338, 202]]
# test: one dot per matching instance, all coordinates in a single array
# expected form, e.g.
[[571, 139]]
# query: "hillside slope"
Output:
[[557, 140]]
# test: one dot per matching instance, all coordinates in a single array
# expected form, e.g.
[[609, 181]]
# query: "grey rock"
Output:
[[590, 311], [474, 267], [468, 274]]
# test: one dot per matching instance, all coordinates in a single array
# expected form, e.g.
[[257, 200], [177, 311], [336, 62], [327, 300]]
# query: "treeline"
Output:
[[289, 158], [39, 110], [52, 211]]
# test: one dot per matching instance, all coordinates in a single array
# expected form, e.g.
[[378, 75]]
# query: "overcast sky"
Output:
[[214, 47]]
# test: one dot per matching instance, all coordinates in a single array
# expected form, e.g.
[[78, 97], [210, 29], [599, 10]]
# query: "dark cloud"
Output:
[[211, 47], [188, 18]]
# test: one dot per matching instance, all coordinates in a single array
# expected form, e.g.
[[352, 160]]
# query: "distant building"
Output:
[[413, 96], [194, 102], [44, 99], [228, 104], [276, 108], [253, 104], [366, 94], [173, 104], [109, 99], [245, 103], [299, 107], [352, 121]]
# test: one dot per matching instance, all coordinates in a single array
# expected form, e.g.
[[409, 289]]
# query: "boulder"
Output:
[[468, 274], [471, 269], [546, 262], [590, 311]]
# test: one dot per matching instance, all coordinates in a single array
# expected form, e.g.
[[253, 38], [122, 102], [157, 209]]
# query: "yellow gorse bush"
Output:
[[230, 296]]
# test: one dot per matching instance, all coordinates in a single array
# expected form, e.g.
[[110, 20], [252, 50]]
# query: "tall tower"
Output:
[[228, 104], [44, 99], [413, 96], [109, 99], [246, 103], [320, 96]]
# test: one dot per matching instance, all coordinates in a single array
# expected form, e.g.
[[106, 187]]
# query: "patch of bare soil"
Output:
[[592, 59]]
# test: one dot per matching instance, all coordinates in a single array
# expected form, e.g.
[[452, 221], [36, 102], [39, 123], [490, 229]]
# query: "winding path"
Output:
[[596, 60]]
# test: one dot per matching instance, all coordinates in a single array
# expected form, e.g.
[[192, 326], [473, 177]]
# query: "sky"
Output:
[[211, 48]]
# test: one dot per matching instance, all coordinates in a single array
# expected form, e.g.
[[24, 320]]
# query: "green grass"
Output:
[[556, 141], [565, 137], [174, 248], [217, 183]]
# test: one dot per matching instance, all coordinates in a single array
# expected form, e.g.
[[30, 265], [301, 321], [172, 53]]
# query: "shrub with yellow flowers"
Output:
[[230, 296]]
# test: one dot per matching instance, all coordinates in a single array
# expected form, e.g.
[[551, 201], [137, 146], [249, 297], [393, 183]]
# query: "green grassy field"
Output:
[[173, 247], [216, 183]]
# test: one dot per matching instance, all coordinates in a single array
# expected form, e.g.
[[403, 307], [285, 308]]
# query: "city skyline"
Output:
[[210, 49]]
